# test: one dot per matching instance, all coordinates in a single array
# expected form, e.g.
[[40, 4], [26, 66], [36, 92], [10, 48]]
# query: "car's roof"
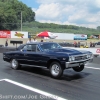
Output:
[[22, 45], [40, 42]]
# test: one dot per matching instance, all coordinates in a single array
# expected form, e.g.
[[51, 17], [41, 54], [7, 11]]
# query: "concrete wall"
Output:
[[2, 41]]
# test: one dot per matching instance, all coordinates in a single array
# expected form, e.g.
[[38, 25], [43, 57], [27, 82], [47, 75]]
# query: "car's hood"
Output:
[[68, 51]]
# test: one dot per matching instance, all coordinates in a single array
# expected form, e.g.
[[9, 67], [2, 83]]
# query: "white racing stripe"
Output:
[[35, 90], [92, 68]]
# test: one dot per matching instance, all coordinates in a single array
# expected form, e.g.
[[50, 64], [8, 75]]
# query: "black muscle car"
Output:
[[48, 55]]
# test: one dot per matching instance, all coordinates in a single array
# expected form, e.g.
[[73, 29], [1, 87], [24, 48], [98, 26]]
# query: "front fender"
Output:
[[62, 63]]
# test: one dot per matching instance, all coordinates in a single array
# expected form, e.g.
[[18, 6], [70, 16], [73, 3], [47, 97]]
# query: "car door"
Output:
[[32, 56], [40, 57], [28, 54], [36, 56], [20, 57]]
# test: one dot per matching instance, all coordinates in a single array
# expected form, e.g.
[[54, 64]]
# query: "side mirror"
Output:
[[23, 50]]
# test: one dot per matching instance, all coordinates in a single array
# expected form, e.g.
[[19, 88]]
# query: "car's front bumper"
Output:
[[77, 63]]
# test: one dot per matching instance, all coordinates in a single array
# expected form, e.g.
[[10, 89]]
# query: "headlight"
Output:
[[90, 55], [71, 58]]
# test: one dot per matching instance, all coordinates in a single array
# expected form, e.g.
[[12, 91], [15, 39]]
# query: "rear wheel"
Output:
[[56, 70], [78, 68], [15, 64]]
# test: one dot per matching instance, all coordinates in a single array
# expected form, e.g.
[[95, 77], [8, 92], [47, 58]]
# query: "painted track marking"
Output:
[[92, 68], [34, 90]]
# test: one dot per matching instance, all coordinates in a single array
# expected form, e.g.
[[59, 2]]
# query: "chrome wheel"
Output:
[[56, 70], [14, 64]]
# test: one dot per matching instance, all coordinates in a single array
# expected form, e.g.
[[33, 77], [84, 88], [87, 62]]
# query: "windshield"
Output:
[[49, 46]]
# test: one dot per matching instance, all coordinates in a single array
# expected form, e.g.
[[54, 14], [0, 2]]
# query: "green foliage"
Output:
[[98, 28], [36, 27], [10, 14]]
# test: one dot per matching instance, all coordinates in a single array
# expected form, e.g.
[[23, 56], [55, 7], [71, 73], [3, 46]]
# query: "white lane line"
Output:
[[93, 68], [34, 90], [1, 79]]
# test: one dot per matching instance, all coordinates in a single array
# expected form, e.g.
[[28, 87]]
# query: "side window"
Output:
[[27, 47], [31, 47], [34, 47]]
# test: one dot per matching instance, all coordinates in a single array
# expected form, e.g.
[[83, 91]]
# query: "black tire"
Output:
[[78, 68], [56, 70], [15, 64]]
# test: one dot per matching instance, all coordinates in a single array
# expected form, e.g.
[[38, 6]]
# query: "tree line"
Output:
[[36, 27], [10, 14]]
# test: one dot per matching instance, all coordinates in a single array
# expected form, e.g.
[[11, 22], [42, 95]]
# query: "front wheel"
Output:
[[56, 70], [78, 68], [15, 64]]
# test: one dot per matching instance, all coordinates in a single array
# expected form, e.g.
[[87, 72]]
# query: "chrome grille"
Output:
[[82, 57]]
